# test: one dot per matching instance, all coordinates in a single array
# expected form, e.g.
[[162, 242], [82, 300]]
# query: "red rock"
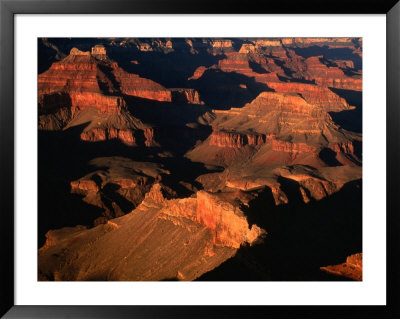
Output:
[[84, 185], [226, 222], [345, 147], [189, 96], [101, 134], [149, 136], [344, 64], [330, 76], [133, 84], [198, 73], [235, 140], [292, 148], [352, 268], [313, 94]]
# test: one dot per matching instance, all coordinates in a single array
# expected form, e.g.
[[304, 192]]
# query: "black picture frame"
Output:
[[9, 8]]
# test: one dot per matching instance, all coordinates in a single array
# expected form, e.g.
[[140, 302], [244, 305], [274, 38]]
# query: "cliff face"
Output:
[[236, 140], [279, 128], [102, 134], [225, 221], [83, 73], [88, 86], [331, 76], [321, 96], [133, 84], [206, 230]]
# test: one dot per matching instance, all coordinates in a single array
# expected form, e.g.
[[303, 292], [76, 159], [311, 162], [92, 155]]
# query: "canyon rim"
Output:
[[210, 159]]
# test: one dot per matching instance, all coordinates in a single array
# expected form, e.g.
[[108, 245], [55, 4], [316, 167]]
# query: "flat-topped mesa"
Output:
[[226, 222], [285, 102], [282, 114], [284, 122], [321, 96], [330, 76]]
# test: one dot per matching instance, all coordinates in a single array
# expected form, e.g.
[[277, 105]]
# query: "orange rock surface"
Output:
[[313, 94], [351, 268]]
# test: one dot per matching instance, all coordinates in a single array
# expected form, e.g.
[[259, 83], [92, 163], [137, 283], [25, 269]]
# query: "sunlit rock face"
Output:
[[314, 94], [351, 268]]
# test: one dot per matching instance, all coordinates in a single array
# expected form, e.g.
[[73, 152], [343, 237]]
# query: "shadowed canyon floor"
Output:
[[200, 159]]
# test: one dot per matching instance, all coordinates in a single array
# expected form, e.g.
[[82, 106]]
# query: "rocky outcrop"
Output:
[[102, 134], [226, 222], [236, 140], [240, 63], [99, 52], [78, 82], [331, 76], [134, 85], [120, 188], [351, 268], [198, 73], [281, 128], [145, 245], [321, 96], [345, 64]]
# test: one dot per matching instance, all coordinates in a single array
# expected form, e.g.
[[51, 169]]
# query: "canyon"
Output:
[[200, 159]]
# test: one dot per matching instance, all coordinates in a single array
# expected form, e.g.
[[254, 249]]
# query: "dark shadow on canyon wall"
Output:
[[301, 237], [329, 157], [350, 120], [223, 90]]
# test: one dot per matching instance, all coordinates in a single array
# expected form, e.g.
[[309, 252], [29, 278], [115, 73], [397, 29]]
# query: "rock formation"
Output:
[[314, 94], [330, 76], [184, 159], [351, 268], [118, 189]]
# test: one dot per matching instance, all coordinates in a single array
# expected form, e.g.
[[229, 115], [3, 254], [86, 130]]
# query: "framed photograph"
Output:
[[167, 159]]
